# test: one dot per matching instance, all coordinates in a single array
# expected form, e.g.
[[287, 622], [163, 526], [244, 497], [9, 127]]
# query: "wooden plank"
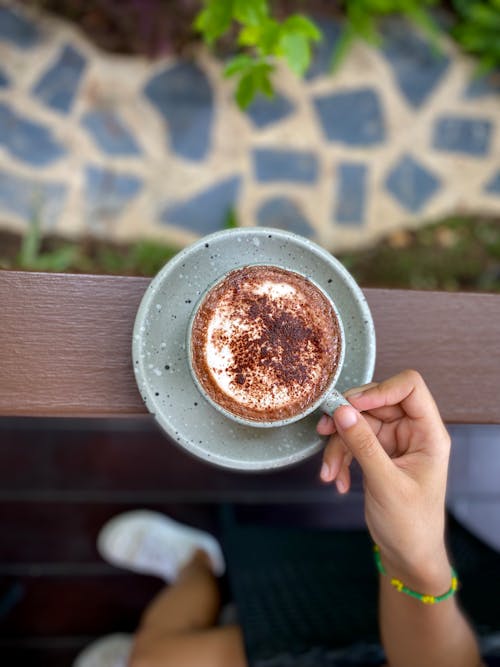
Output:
[[77, 605], [53, 651], [136, 465], [65, 345], [48, 536], [452, 339], [55, 538]]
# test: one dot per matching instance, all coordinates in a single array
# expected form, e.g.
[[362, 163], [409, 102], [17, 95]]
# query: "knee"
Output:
[[152, 650], [137, 657], [142, 654]]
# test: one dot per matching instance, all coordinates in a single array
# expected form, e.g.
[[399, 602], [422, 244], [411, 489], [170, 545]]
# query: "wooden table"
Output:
[[65, 346]]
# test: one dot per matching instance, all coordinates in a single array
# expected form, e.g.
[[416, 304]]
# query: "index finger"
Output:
[[407, 390]]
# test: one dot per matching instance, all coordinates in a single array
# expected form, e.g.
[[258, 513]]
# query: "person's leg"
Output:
[[191, 603], [217, 647], [177, 629]]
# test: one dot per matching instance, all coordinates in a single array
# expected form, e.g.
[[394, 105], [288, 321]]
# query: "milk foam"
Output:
[[225, 325], [265, 343], [275, 290]]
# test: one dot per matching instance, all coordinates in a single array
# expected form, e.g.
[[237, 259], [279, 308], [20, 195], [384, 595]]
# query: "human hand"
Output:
[[403, 449]]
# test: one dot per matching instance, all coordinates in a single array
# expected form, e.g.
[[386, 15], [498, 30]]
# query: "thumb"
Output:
[[363, 444]]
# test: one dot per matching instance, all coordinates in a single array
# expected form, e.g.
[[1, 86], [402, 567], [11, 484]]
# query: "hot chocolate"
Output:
[[265, 343]]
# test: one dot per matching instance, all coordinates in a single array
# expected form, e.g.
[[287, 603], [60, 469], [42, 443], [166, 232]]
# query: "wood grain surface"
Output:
[[65, 344]]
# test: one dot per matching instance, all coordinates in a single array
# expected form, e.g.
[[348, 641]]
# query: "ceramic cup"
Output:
[[328, 401]]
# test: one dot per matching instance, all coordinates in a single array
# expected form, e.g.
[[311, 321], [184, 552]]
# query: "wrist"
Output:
[[429, 574]]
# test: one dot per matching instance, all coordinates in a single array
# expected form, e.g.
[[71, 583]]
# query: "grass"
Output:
[[454, 254], [89, 255], [459, 253]]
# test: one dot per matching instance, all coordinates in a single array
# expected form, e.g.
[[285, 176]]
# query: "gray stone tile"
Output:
[[417, 67], [107, 192], [411, 184], [352, 117], [17, 29], [470, 136], [110, 133], [283, 213], [351, 193], [207, 211], [183, 95], [4, 80], [264, 111], [27, 140], [58, 86], [280, 164], [492, 187], [32, 199]]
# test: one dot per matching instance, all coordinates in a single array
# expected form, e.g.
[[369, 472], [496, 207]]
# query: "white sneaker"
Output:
[[151, 543], [110, 651]]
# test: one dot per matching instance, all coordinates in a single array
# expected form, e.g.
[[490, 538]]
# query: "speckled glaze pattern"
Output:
[[160, 356]]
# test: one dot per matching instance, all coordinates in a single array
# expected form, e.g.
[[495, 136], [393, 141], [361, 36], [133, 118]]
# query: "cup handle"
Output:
[[332, 401]]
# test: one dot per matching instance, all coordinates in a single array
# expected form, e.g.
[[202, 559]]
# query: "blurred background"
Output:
[[128, 129]]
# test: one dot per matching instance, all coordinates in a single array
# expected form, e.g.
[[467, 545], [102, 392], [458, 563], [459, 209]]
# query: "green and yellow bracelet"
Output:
[[399, 586]]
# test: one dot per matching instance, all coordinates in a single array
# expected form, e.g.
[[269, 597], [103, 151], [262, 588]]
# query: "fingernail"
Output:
[[323, 421], [345, 417], [341, 487], [354, 392], [325, 472]]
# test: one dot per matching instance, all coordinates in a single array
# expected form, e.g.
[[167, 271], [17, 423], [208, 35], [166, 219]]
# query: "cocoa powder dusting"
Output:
[[276, 338], [284, 345]]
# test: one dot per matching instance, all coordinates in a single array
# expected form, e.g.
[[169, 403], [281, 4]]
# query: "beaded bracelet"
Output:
[[399, 586]]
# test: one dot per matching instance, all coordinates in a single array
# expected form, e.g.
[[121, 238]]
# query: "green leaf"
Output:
[[254, 81], [30, 244], [238, 64], [425, 21], [270, 34], [362, 24], [265, 85], [250, 12], [342, 47], [296, 50], [483, 16], [246, 90], [250, 35], [57, 260], [461, 6], [213, 21], [302, 25], [231, 220], [146, 257]]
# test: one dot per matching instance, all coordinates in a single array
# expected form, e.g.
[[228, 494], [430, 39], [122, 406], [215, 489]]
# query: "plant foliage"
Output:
[[362, 17], [32, 258], [263, 39], [478, 30]]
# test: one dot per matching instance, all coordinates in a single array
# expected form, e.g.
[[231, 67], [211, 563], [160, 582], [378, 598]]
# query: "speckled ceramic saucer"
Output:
[[160, 358]]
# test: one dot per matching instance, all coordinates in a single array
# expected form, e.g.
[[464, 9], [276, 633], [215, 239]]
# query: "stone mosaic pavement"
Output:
[[124, 148]]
